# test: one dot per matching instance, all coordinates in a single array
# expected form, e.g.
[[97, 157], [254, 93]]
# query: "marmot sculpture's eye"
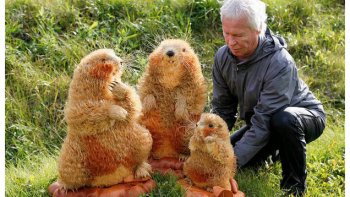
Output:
[[210, 125], [196, 124], [103, 59], [183, 50]]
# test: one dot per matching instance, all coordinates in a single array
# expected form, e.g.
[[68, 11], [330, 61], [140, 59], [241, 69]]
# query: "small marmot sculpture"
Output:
[[212, 161]]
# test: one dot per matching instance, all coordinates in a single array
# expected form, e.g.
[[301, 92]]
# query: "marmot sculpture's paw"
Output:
[[117, 112], [119, 89], [149, 102], [213, 149], [181, 114], [183, 157], [143, 170], [209, 139]]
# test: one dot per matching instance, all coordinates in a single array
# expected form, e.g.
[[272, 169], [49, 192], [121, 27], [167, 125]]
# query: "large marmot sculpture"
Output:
[[173, 94], [104, 142]]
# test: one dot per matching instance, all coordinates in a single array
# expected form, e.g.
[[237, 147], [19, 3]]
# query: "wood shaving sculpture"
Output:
[[105, 144], [173, 95]]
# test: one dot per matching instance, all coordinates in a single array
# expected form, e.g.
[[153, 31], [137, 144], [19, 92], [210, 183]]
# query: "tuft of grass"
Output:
[[31, 177], [166, 186], [263, 181]]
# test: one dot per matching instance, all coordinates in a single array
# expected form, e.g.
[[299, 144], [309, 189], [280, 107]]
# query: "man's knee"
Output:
[[282, 121]]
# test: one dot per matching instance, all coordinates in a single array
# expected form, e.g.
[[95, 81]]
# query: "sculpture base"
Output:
[[193, 191], [129, 188], [168, 165]]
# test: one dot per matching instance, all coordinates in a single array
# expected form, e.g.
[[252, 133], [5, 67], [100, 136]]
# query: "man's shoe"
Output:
[[295, 191]]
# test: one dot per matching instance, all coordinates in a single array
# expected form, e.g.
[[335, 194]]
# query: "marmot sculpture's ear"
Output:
[[101, 71]]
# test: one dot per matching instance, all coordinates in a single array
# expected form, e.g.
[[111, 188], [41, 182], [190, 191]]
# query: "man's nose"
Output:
[[232, 41]]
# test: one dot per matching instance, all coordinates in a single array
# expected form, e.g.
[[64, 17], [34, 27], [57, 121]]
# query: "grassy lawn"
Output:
[[46, 39]]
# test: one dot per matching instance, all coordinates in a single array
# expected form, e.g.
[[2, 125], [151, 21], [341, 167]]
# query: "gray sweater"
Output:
[[260, 86]]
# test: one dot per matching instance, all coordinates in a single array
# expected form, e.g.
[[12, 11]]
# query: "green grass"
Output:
[[46, 39], [31, 177]]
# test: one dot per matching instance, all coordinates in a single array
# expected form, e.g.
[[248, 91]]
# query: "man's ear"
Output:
[[101, 71]]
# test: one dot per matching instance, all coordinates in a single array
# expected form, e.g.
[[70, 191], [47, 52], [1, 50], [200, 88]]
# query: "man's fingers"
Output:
[[234, 185]]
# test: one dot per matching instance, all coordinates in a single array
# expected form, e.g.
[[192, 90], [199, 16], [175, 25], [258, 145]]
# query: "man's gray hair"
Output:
[[254, 10]]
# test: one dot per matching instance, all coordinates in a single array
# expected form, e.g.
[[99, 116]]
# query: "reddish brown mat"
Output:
[[130, 188], [193, 191], [168, 165]]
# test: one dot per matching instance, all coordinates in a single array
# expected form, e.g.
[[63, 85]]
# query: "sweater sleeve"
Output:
[[276, 93], [224, 103]]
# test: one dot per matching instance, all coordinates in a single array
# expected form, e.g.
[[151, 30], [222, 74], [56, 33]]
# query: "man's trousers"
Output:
[[291, 129]]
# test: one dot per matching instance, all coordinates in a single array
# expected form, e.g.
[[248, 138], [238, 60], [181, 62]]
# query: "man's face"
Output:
[[240, 37]]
